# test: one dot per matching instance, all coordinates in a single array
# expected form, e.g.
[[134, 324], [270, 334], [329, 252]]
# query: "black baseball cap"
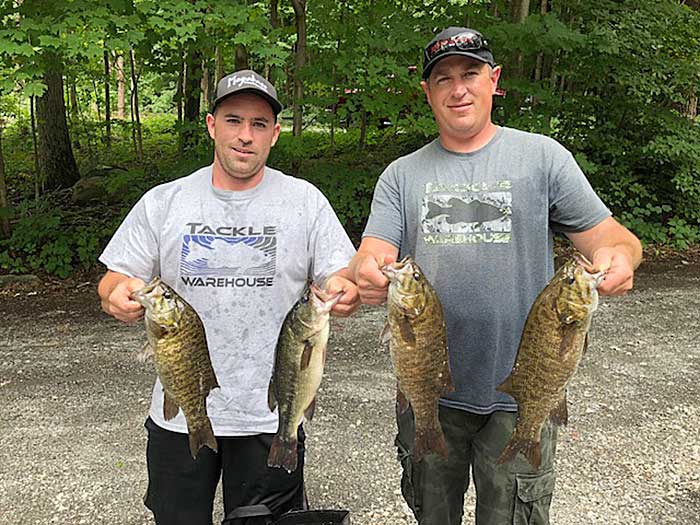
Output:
[[456, 41], [247, 81]]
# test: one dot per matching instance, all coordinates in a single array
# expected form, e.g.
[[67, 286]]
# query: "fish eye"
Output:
[[572, 279], [416, 276], [167, 294], [305, 298]]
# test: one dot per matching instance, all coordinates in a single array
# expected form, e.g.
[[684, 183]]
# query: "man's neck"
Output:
[[469, 144], [223, 181]]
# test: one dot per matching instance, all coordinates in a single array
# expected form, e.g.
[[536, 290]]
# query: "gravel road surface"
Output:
[[73, 399]]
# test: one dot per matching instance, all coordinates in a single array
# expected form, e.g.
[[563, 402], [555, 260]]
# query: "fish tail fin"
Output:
[[201, 437], [529, 448], [283, 453], [430, 439], [434, 210]]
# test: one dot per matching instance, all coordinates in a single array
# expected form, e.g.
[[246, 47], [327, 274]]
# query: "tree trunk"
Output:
[[37, 182], [73, 97], [4, 203], [274, 14], [241, 57], [56, 161], [219, 66], [204, 88], [121, 87], [691, 109], [135, 117], [108, 114], [193, 79], [179, 98], [521, 9], [540, 56], [299, 62]]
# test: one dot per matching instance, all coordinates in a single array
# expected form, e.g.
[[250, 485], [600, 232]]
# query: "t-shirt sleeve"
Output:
[[385, 218], [329, 245], [133, 249], [573, 204]]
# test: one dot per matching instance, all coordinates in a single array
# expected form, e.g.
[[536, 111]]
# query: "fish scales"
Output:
[[551, 347], [418, 347], [177, 341]]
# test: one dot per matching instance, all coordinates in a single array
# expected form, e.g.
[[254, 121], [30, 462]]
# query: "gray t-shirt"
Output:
[[241, 259], [481, 227]]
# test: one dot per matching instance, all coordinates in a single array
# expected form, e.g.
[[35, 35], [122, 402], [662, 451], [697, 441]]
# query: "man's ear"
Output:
[[210, 125], [276, 135], [426, 89]]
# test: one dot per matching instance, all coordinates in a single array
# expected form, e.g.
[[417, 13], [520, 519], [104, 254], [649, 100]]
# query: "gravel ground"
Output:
[[74, 398]]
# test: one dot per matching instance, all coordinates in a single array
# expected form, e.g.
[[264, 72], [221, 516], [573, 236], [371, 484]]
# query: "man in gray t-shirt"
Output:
[[477, 208], [238, 241]]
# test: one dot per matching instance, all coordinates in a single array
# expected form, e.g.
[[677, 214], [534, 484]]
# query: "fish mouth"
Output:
[[391, 270], [142, 295], [324, 306], [592, 273]]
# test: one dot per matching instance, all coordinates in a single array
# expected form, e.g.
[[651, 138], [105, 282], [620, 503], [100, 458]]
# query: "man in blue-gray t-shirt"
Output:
[[478, 208]]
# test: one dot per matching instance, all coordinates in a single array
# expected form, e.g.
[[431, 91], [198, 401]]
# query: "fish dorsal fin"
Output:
[[271, 397], [145, 353], [306, 354], [309, 412], [560, 413]]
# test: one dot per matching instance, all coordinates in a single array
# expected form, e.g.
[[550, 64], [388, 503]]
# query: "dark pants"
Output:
[[512, 493], [181, 489]]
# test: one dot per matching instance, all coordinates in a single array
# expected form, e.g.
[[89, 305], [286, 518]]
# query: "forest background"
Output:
[[102, 99]]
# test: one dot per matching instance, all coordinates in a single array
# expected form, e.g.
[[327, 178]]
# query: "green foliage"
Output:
[[609, 79]]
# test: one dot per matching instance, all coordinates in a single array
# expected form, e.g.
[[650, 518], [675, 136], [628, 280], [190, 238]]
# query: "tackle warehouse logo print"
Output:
[[467, 214], [225, 261]]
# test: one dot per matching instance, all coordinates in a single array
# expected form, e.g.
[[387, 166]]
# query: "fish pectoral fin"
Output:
[[306, 355], [385, 336], [560, 413], [170, 408], [309, 412], [568, 338], [271, 398], [585, 343], [402, 402], [145, 353], [407, 334]]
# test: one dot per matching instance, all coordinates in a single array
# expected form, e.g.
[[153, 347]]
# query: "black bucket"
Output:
[[315, 517], [250, 515]]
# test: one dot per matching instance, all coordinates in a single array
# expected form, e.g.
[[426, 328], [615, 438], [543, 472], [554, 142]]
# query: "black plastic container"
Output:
[[315, 517]]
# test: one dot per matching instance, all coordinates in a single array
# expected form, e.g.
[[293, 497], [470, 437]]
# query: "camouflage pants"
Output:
[[507, 494]]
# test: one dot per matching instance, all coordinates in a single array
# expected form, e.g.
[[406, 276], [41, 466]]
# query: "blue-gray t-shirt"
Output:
[[481, 227]]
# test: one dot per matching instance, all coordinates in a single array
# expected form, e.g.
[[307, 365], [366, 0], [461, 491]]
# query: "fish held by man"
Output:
[[178, 344], [418, 345], [300, 356], [553, 341]]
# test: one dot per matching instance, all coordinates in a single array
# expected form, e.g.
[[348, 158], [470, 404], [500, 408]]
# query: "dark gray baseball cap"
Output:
[[456, 41], [247, 81]]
